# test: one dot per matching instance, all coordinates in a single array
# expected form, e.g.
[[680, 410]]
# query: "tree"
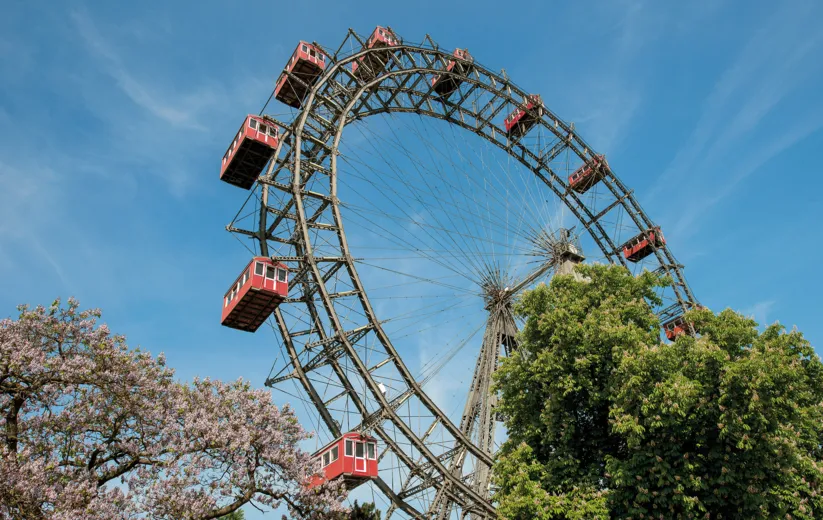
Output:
[[90, 428], [365, 511], [234, 515], [605, 421]]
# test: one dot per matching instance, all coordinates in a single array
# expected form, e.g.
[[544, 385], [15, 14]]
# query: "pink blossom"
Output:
[[92, 429]]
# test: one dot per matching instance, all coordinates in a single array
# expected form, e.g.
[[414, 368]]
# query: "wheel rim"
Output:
[[304, 212]]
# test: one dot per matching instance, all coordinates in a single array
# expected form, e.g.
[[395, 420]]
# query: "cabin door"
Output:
[[269, 283], [359, 456]]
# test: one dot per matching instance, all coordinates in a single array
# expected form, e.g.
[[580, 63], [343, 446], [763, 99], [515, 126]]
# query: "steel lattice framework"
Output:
[[299, 222]]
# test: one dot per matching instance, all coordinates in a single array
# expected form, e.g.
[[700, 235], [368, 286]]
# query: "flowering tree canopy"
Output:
[[92, 429], [606, 421]]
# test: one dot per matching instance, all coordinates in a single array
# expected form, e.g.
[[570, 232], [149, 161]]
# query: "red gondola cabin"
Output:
[[675, 327], [258, 290], [589, 174], [523, 118], [445, 84], [369, 66], [643, 244], [248, 154], [307, 64], [352, 457]]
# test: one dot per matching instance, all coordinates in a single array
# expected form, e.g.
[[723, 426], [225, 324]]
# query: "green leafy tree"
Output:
[[235, 515], [365, 511], [605, 421]]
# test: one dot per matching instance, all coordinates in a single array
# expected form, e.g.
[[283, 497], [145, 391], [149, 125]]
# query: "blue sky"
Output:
[[114, 117]]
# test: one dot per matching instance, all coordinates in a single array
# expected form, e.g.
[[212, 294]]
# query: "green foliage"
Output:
[[366, 511], [236, 515], [605, 421]]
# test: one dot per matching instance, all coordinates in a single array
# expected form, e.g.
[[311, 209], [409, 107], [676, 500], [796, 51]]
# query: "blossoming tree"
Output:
[[90, 428]]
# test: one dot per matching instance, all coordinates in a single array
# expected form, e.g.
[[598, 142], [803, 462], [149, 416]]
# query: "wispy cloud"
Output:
[[160, 118], [610, 95], [747, 166], [775, 61], [26, 191], [29, 192], [162, 106], [759, 311]]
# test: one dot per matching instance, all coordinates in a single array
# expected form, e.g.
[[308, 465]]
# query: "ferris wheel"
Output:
[[387, 253]]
